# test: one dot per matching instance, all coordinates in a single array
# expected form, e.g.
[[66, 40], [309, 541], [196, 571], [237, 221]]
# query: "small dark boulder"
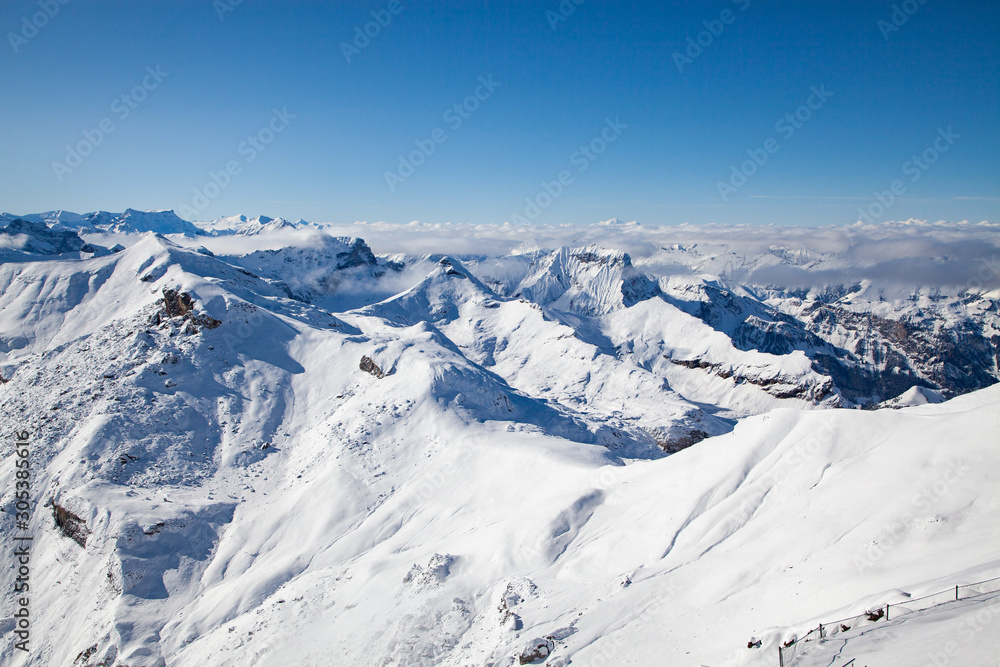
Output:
[[369, 366], [177, 304], [70, 524]]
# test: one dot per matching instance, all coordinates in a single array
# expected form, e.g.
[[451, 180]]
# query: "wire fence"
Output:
[[892, 610]]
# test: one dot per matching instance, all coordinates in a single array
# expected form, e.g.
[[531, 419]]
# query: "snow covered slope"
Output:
[[453, 475], [954, 633]]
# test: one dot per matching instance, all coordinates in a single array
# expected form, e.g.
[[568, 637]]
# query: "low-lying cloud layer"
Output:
[[913, 252], [897, 255]]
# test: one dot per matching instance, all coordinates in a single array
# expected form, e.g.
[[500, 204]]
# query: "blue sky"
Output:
[[266, 91]]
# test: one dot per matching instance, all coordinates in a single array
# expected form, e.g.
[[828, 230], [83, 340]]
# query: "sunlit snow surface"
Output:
[[496, 490]]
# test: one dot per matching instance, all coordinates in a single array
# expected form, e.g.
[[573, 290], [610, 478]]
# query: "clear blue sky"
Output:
[[686, 127]]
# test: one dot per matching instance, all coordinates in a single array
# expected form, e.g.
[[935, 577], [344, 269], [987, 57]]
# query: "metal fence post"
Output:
[[781, 657], [956, 592], [887, 611]]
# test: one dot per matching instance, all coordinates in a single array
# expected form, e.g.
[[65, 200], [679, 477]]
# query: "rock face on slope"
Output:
[[948, 344], [70, 524], [181, 304], [370, 367], [911, 349]]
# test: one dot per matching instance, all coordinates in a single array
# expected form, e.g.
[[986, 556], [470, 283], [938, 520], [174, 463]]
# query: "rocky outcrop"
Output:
[[331, 272], [885, 357], [779, 387], [589, 281], [181, 304], [536, 650], [177, 304], [438, 569], [369, 366], [871, 352], [675, 443], [70, 524]]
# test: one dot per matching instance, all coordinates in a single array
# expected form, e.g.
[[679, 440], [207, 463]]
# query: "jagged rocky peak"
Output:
[[452, 267], [244, 225], [356, 253], [590, 280], [334, 272]]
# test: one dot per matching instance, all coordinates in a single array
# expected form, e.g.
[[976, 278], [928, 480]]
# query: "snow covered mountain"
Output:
[[281, 448], [333, 273], [129, 222], [246, 226], [25, 240]]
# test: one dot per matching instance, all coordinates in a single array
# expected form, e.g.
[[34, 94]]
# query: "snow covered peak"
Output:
[[49, 217], [589, 281], [131, 221], [243, 225], [438, 297], [913, 396], [336, 273]]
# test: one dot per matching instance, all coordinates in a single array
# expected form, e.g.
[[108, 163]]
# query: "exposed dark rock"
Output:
[[875, 357], [507, 614], [180, 304], [891, 356], [70, 524], [358, 254], [205, 321], [676, 444], [510, 599], [536, 650], [369, 366], [776, 386], [177, 304], [876, 614]]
